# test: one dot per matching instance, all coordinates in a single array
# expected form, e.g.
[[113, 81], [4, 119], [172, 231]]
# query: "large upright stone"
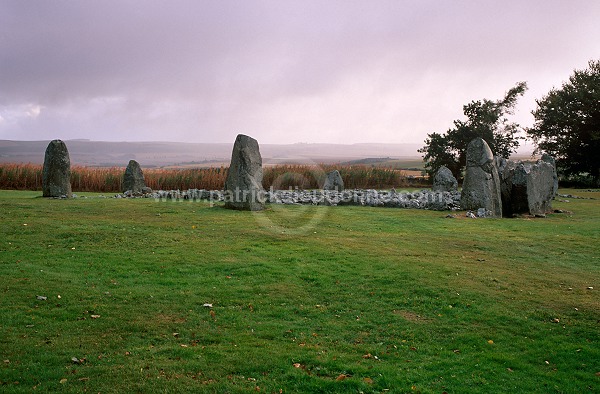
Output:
[[56, 174], [133, 179], [550, 160], [481, 186], [333, 181], [527, 188], [444, 181], [243, 186], [506, 172]]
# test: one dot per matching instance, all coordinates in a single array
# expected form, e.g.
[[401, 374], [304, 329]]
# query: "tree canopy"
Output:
[[485, 119], [567, 124]]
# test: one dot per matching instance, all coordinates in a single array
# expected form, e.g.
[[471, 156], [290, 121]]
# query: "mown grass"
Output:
[[367, 300]]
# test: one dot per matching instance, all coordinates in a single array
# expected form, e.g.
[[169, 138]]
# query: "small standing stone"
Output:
[[56, 174], [133, 179], [333, 181], [444, 181], [243, 186]]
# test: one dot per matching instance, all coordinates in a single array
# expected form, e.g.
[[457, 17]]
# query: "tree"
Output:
[[485, 119], [567, 124]]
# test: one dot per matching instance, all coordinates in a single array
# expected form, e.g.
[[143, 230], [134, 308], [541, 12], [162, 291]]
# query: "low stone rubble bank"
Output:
[[424, 199]]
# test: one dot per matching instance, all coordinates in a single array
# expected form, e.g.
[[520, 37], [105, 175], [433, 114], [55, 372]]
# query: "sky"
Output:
[[281, 71]]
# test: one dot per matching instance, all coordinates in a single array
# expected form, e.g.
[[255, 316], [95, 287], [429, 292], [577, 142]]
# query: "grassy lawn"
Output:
[[304, 299]]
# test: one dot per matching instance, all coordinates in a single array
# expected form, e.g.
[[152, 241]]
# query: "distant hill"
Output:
[[163, 154], [369, 160]]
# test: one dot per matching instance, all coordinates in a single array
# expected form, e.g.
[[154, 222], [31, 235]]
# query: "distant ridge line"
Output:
[[164, 153]]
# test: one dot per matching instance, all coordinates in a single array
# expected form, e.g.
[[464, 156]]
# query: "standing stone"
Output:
[[527, 188], [513, 188], [133, 179], [56, 174], [481, 187], [333, 181], [541, 183], [444, 181], [506, 172], [243, 186], [550, 160]]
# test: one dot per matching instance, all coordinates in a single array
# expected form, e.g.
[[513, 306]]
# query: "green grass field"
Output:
[[304, 299]]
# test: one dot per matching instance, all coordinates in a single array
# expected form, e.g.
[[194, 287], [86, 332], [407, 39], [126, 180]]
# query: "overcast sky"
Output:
[[280, 71]]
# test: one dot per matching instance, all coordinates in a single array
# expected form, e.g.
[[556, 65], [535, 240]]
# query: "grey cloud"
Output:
[[197, 70]]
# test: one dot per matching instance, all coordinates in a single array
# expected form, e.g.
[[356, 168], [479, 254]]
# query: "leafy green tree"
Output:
[[485, 119], [567, 124]]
